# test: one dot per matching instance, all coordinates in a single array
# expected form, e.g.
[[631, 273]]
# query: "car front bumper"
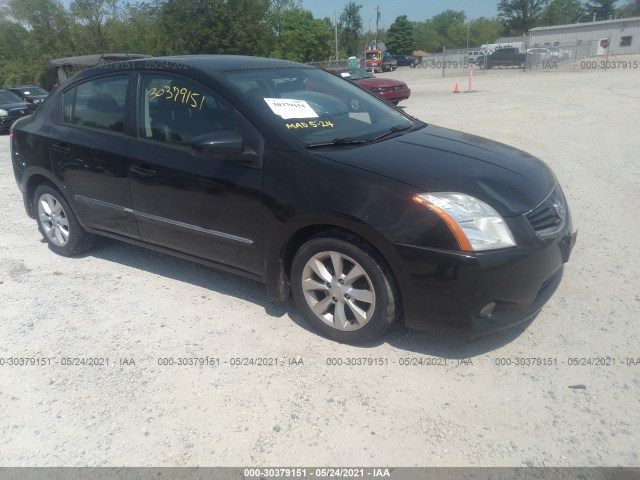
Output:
[[395, 95], [7, 121], [444, 290]]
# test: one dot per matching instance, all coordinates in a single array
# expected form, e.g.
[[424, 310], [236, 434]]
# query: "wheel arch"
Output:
[[32, 182], [278, 265]]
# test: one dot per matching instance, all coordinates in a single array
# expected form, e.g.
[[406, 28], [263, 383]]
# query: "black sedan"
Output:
[[31, 94], [407, 60], [291, 176], [12, 107]]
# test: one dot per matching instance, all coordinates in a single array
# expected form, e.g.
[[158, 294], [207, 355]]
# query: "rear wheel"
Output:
[[345, 290], [58, 224]]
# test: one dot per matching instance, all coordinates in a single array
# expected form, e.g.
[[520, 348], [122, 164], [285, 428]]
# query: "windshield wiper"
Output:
[[392, 130], [337, 141]]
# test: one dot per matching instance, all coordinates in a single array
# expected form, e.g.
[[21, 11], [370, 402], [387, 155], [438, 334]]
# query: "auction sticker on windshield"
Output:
[[290, 108]]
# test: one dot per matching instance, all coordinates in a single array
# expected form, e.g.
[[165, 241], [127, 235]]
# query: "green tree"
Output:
[[518, 16], [451, 28], [350, 28], [92, 15], [44, 33], [562, 12], [137, 30], [630, 9], [602, 8], [427, 37], [214, 26], [484, 30], [400, 37], [302, 38]]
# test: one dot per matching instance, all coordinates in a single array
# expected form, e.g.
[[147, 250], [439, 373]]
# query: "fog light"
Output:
[[487, 310]]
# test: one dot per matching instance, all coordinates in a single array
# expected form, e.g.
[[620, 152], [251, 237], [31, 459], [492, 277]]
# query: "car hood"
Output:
[[435, 159], [12, 106]]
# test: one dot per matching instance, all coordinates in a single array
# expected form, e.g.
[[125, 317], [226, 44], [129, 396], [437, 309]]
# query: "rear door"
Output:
[[88, 146], [206, 207]]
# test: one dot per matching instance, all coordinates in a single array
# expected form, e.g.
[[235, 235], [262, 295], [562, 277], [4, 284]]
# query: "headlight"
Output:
[[475, 224], [3, 113]]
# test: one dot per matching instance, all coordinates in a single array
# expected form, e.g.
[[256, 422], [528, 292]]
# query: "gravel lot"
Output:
[[127, 303]]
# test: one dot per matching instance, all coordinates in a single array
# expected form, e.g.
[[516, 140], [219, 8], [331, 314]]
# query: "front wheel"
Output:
[[58, 224], [345, 290]]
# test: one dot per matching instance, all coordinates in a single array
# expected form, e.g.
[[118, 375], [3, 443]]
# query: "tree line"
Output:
[[32, 32]]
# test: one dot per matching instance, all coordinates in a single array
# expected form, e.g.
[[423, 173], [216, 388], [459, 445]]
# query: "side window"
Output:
[[97, 103], [176, 110]]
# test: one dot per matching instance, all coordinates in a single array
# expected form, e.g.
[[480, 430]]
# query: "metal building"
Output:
[[623, 35]]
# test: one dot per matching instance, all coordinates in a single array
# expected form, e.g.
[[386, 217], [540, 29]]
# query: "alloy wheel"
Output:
[[338, 290], [53, 220]]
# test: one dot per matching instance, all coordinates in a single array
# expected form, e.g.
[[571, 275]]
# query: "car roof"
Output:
[[202, 63]]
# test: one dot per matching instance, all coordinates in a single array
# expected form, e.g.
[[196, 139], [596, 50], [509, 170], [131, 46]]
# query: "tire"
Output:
[[412, 65], [57, 223], [396, 102], [360, 269]]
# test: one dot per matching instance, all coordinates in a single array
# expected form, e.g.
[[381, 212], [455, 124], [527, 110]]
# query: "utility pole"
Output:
[[335, 21], [377, 22], [468, 32]]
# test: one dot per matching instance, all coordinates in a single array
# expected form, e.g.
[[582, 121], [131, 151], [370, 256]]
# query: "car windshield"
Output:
[[318, 108], [33, 91], [8, 97]]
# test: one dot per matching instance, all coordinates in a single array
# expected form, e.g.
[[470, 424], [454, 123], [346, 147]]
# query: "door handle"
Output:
[[61, 148], [143, 170]]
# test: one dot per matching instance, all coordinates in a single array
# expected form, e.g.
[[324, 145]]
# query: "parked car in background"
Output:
[[31, 94], [407, 60], [389, 64], [393, 91], [540, 54], [371, 61], [12, 108], [505, 57], [477, 56], [561, 54]]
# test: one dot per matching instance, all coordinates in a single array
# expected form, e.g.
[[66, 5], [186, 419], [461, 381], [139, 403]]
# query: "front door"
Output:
[[204, 207]]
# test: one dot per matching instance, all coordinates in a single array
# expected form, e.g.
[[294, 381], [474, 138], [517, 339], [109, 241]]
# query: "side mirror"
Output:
[[217, 144]]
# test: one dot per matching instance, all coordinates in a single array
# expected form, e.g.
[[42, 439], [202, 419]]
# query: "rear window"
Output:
[[97, 103]]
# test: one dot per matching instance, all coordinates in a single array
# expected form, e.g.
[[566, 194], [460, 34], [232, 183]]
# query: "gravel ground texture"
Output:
[[134, 307]]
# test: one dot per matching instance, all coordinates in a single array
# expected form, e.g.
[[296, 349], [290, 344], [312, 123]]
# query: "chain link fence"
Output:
[[566, 56], [563, 57], [451, 63]]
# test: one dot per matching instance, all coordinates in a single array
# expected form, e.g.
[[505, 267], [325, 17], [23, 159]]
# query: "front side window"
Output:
[[176, 110], [97, 103]]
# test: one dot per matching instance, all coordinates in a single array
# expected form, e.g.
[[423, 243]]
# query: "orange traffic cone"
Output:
[[457, 89]]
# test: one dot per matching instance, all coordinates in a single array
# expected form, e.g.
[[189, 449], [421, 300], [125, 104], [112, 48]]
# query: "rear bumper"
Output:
[[445, 290]]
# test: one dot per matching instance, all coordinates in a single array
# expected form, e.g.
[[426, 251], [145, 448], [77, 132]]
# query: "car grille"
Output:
[[550, 216]]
